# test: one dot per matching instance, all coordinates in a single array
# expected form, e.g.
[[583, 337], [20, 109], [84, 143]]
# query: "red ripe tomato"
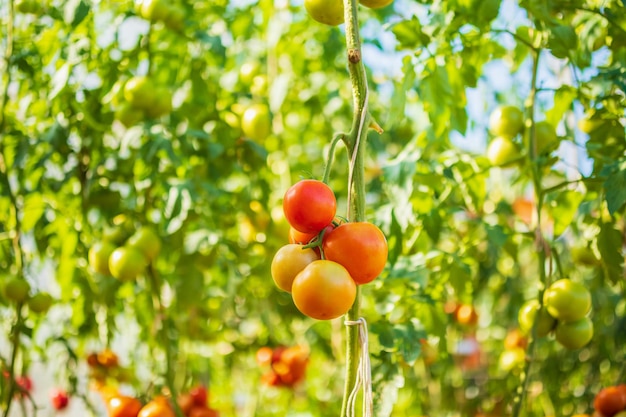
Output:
[[203, 411], [309, 206], [324, 290], [359, 247], [59, 398], [199, 395], [610, 400]]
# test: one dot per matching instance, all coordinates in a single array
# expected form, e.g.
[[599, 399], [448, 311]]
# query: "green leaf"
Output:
[[75, 12], [563, 99], [609, 246], [562, 41], [563, 208], [409, 34], [615, 188], [34, 207], [398, 100]]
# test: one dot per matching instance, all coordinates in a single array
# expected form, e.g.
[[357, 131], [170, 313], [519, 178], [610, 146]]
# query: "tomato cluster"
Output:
[[322, 281], [18, 291], [506, 123], [143, 97], [564, 311], [514, 355], [192, 403], [287, 365], [125, 258], [171, 14], [610, 401]]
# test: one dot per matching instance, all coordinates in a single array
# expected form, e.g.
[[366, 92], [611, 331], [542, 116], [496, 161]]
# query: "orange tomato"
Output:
[[158, 407], [610, 400], [360, 247], [185, 403], [123, 406], [515, 339], [466, 315], [107, 358], [324, 290]]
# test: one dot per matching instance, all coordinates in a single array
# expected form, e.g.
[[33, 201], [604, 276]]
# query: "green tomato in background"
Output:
[[503, 152], [567, 300], [574, 334], [329, 12], [256, 122], [529, 312], [506, 121]]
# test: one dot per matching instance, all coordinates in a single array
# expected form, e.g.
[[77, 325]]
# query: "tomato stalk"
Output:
[[540, 243], [164, 330], [355, 143]]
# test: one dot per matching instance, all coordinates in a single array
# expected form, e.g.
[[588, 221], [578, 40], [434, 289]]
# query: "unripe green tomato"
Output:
[[99, 255], [128, 115], [162, 103], [375, 4], [259, 85], [567, 300], [506, 121], [40, 302], [256, 122], [154, 10], [175, 19], [503, 152], [248, 71], [16, 290], [574, 334], [531, 311], [329, 12], [147, 241], [583, 255], [126, 263], [140, 92]]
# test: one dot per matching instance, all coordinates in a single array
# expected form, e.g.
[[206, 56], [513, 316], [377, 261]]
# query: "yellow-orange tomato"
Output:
[[264, 356], [465, 314], [324, 290], [288, 262]]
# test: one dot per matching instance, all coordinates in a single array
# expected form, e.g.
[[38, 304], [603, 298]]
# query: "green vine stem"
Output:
[[355, 143], [540, 243], [163, 328]]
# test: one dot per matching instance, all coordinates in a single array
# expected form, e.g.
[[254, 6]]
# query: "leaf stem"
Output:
[[331, 154]]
